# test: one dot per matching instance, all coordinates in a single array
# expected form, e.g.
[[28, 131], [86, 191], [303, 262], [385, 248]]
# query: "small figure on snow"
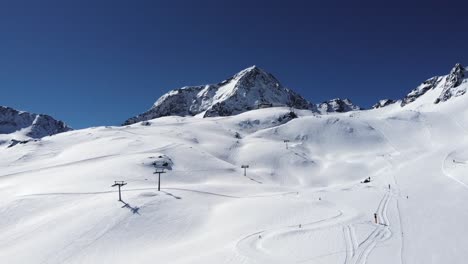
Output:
[[375, 217]]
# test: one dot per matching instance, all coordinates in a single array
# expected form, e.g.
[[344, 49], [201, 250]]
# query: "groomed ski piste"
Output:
[[302, 204]]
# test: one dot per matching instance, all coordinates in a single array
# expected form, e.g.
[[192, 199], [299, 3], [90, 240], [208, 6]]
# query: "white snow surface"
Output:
[[300, 204]]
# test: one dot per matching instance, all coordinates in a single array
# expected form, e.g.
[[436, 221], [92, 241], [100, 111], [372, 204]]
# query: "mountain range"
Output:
[[251, 88], [21, 126], [290, 182], [254, 88]]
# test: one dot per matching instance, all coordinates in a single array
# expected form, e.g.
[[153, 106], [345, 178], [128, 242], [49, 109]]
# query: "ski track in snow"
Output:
[[358, 253], [449, 158], [172, 145], [250, 247], [154, 188]]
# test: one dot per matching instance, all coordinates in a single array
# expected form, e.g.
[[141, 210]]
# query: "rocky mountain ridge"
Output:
[[251, 88], [337, 105], [29, 125], [443, 88], [254, 88]]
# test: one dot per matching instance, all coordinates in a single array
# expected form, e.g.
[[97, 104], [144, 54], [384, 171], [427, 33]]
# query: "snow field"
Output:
[[304, 204]]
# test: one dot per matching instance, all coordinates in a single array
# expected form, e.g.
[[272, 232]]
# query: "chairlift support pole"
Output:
[[159, 171], [119, 184], [245, 169], [286, 141]]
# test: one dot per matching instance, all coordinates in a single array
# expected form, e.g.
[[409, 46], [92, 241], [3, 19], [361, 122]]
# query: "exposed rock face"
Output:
[[337, 105], [33, 125], [421, 90], [446, 87], [249, 89], [383, 103], [452, 83]]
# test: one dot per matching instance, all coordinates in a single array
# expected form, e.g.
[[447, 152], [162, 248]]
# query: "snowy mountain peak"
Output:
[[249, 89], [439, 88], [253, 73], [20, 125], [452, 82], [337, 105], [383, 103], [458, 69], [249, 70], [455, 76]]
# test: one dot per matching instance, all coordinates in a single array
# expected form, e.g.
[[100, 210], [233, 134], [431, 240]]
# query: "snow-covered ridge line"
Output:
[[435, 90], [29, 125], [254, 88], [250, 89], [337, 105]]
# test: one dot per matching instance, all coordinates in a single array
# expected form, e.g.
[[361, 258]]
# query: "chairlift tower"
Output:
[[119, 184], [159, 171], [286, 142], [245, 167]]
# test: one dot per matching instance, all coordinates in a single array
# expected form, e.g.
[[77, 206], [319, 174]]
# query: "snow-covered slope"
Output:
[[302, 201], [20, 125], [303, 198], [249, 89]]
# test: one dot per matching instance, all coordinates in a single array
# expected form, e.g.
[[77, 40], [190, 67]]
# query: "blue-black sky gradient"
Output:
[[93, 63]]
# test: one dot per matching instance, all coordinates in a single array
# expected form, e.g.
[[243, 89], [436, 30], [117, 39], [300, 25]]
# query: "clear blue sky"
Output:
[[97, 62]]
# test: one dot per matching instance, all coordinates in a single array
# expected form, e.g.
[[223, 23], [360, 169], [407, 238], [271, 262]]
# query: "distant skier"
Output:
[[367, 180], [389, 186], [375, 217]]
